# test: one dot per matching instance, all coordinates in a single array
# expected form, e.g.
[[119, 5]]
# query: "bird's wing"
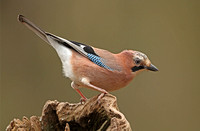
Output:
[[85, 50]]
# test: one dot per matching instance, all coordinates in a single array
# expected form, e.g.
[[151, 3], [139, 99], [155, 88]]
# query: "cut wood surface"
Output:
[[94, 114]]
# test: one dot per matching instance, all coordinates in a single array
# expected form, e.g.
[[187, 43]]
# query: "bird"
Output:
[[91, 67]]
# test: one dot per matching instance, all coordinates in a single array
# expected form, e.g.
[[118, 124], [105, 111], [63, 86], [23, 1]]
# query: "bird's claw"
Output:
[[83, 100], [101, 96]]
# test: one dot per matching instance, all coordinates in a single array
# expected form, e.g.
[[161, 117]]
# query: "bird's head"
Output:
[[142, 62]]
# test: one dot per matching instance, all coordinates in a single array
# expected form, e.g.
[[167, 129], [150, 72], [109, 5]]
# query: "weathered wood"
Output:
[[94, 114]]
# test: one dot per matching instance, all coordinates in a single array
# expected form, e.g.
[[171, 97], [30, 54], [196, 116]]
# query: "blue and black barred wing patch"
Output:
[[98, 60]]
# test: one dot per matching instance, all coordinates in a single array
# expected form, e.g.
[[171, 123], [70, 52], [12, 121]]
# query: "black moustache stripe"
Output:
[[136, 68]]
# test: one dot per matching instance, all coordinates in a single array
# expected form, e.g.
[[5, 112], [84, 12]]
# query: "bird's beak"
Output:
[[151, 67]]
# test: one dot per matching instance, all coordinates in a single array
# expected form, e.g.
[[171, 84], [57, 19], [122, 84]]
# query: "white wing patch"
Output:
[[82, 46]]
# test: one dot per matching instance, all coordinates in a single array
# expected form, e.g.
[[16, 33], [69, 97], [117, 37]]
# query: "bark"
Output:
[[94, 114]]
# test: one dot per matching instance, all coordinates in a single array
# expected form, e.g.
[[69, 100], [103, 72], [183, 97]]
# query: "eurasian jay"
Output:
[[92, 67]]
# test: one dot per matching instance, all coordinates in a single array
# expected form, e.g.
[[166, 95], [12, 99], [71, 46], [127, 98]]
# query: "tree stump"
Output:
[[94, 114]]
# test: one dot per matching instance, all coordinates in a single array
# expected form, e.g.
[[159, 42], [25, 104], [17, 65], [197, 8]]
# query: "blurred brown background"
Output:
[[167, 31]]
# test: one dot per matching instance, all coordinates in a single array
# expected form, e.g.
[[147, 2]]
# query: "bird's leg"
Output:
[[75, 87], [86, 82]]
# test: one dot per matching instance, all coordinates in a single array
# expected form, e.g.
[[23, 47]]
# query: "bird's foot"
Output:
[[83, 100], [101, 96]]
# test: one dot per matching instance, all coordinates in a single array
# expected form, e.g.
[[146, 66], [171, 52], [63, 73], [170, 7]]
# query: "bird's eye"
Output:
[[137, 61]]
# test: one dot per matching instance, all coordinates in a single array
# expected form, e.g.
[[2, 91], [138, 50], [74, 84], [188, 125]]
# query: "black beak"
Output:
[[151, 67]]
